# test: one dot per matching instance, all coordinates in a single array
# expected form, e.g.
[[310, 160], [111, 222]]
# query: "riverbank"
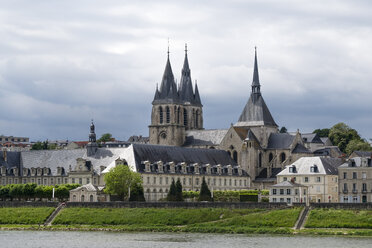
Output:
[[335, 222]]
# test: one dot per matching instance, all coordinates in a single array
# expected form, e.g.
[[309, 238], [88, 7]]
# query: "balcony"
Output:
[[364, 191], [355, 191], [345, 191]]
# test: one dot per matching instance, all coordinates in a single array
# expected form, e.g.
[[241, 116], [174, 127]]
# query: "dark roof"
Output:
[[311, 138], [363, 153], [185, 91], [154, 153], [255, 112], [280, 141], [263, 175], [168, 89], [331, 165], [211, 137], [13, 159], [300, 149]]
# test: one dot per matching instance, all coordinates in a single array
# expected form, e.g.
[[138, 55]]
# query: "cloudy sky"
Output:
[[63, 63]]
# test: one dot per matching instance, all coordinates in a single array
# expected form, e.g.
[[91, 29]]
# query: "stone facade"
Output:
[[355, 180], [288, 192]]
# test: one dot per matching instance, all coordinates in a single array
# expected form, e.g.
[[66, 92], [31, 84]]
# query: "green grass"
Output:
[[145, 216], [339, 218], [24, 215], [271, 219]]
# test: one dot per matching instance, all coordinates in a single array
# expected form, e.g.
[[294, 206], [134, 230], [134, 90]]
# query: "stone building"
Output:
[[88, 193], [175, 109], [289, 192], [355, 180], [319, 174]]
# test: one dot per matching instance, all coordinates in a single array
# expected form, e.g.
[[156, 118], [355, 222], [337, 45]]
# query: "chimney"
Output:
[[5, 156]]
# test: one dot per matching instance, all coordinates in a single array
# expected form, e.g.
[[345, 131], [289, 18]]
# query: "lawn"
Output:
[[24, 215], [146, 216], [339, 218]]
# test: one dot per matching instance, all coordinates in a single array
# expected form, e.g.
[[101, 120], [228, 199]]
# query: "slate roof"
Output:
[[363, 153], [280, 141], [185, 91], [287, 184], [155, 153], [356, 162], [326, 166], [12, 159], [301, 149], [255, 112], [262, 177], [311, 138], [211, 137], [88, 187]]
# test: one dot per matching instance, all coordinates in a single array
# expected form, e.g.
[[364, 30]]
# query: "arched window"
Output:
[[82, 198], [178, 115], [271, 156], [185, 117], [168, 114], [282, 157], [74, 197], [260, 160], [229, 153], [197, 119], [235, 156], [193, 117], [160, 115], [91, 198]]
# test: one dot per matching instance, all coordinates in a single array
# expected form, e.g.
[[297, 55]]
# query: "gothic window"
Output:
[[197, 119], [193, 117], [185, 117], [260, 160], [235, 156], [271, 156], [160, 115], [282, 157], [178, 115], [168, 114]]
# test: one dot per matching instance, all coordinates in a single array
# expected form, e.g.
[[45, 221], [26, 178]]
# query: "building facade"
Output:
[[355, 180], [289, 192]]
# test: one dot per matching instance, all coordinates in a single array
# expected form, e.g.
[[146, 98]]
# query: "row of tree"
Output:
[[175, 192], [31, 191], [346, 138]]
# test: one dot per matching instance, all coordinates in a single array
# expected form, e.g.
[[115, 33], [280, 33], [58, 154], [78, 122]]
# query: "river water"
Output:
[[58, 239]]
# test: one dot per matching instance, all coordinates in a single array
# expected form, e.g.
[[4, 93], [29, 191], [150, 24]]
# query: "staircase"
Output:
[[301, 219], [50, 219]]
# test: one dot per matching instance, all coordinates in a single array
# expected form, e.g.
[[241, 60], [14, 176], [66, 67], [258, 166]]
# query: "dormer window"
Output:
[[314, 168], [292, 169]]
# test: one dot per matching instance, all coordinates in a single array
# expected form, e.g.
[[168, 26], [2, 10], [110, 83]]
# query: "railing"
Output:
[[355, 191]]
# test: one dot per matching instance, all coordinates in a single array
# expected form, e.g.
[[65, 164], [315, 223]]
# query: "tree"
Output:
[[283, 130], [179, 196], [322, 132], [341, 134], [105, 137], [172, 194], [29, 190], [357, 145], [119, 179], [205, 193], [37, 146], [61, 192], [136, 189]]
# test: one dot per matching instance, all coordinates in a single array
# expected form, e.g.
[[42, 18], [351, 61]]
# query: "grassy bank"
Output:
[[24, 215], [146, 216], [339, 218]]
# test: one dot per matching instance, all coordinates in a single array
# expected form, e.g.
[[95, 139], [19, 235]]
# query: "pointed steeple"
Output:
[[197, 96], [185, 91], [168, 87], [256, 80]]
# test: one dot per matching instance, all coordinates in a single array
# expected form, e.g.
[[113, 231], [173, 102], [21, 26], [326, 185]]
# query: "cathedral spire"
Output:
[[197, 96], [256, 81], [185, 91]]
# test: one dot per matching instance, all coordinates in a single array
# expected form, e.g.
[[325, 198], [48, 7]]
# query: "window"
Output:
[[59, 180], [271, 156], [260, 160], [82, 198], [190, 183], [364, 187], [178, 115], [354, 186], [274, 199], [282, 157], [230, 182], [45, 181], [154, 180], [274, 191], [318, 179], [288, 191], [214, 181], [345, 187], [306, 179], [304, 191], [51, 181], [282, 191], [160, 115], [88, 180], [197, 181], [80, 180], [281, 199], [345, 175], [166, 180], [296, 191], [24, 181], [355, 199], [185, 117], [292, 169], [161, 181], [225, 182], [235, 156], [314, 168], [284, 178], [66, 180], [167, 114], [197, 119], [289, 200], [354, 175], [148, 180], [364, 175], [95, 181], [346, 199], [91, 198]]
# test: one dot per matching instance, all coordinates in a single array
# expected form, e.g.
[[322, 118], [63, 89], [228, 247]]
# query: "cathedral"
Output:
[[253, 142]]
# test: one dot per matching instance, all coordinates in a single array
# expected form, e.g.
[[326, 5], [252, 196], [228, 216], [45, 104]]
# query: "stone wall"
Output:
[[15, 204], [337, 205]]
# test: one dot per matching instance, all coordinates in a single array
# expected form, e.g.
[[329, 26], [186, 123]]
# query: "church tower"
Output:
[[256, 115], [174, 111], [92, 146]]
